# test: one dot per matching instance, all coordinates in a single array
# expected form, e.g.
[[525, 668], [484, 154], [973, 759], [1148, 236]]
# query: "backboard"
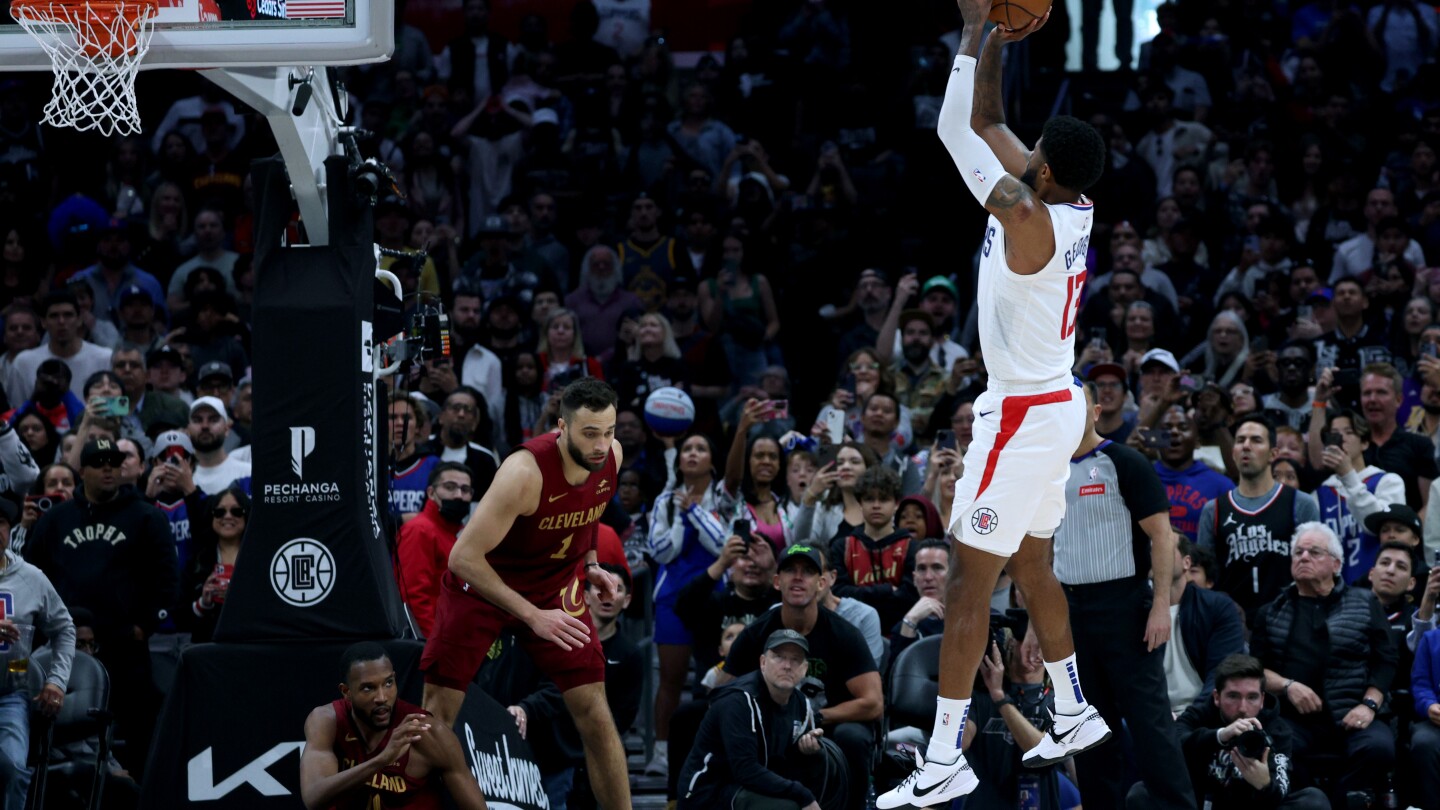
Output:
[[243, 33]]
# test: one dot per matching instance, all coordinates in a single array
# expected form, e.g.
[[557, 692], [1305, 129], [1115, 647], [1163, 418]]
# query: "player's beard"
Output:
[[579, 457], [1028, 178]]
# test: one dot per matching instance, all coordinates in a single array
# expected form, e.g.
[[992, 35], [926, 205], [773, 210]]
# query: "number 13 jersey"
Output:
[[1027, 323]]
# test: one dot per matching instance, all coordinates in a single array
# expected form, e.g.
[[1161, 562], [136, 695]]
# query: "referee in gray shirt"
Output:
[[1115, 537]]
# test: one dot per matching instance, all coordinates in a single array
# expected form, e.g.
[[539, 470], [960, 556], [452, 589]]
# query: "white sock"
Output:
[[949, 727], [1066, 681], [662, 749]]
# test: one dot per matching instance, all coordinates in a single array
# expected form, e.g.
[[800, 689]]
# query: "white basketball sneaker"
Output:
[[932, 784], [1068, 736]]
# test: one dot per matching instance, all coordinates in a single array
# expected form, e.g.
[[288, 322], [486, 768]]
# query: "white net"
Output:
[[96, 49]]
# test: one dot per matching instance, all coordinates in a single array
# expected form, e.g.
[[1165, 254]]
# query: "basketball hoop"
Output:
[[95, 49]]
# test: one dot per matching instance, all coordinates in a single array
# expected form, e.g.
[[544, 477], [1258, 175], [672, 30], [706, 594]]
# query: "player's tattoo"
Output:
[[1008, 193]]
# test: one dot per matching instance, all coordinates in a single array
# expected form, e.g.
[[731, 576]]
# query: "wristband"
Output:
[[596, 564], [910, 625], [1318, 404], [1285, 690], [1371, 705], [1003, 702]]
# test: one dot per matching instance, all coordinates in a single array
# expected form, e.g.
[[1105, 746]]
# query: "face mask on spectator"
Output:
[[455, 510]]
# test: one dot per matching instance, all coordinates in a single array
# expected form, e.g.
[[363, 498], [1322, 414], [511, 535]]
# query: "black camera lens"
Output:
[[43, 503], [1252, 743]]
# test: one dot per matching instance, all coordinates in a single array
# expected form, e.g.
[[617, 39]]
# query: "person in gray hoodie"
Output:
[[28, 599]]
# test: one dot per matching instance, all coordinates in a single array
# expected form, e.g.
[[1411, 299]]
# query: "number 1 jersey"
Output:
[[542, 552], [1027, 323]]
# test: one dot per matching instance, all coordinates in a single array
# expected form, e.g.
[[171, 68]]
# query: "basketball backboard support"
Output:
[[244, 34]]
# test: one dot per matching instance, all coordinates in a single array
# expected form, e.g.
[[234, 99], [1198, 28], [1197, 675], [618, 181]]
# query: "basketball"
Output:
[[669, 411], [1018, 13]]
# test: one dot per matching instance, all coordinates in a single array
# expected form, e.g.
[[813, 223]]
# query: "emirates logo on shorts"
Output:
[[984, 520]]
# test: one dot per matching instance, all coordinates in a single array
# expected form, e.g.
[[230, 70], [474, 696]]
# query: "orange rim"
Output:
[[102, 37]]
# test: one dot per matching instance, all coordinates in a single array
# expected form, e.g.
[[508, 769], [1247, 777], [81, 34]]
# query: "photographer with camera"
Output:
[[838, 655], [1355, 490], [761, 746], [1237, 748]]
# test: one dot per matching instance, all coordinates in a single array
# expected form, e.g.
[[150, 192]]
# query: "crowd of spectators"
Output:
[[773, 229]]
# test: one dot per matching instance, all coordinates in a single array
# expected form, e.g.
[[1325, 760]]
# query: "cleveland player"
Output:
[[517, 565], [359, 757], [1032, 415]]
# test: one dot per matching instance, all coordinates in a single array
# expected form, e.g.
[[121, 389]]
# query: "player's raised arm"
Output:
[[988, 116], [514, 492], [1005, 197]]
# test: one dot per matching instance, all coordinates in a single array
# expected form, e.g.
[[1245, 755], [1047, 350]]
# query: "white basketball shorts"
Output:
[[1016, 468]]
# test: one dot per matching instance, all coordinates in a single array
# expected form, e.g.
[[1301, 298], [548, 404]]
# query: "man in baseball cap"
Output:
[[215, 380], [172, 486], [1157, 368], [839, 656], [209, 426]]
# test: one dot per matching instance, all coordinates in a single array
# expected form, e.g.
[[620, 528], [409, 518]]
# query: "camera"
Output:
[[814, 689], [1251, 743]]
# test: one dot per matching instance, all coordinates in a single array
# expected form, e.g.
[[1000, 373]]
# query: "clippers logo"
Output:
[[984, 520], [302, 444], [303, 572], [367, 348]]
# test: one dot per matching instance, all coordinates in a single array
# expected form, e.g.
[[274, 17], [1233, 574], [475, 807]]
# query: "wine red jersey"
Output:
[[391, 787], [541, 553]]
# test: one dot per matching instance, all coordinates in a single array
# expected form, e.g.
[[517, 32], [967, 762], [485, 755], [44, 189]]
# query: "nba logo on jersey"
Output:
[[979, 175], [984, 520], [945, 720]]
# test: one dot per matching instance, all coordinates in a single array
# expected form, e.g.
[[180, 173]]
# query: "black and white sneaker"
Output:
[[932, 784], [1068, 736]]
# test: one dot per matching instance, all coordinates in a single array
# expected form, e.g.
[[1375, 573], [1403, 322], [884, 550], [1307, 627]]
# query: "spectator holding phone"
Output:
[[861, 375], [1355, 490], [752, 474], [829, 505], [171, 487], [217, 547]]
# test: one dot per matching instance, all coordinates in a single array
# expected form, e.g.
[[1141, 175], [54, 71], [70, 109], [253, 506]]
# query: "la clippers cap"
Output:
[[780, 638], [169, 439]]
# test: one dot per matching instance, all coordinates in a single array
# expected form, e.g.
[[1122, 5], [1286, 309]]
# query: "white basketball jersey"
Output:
[[1027, 323]]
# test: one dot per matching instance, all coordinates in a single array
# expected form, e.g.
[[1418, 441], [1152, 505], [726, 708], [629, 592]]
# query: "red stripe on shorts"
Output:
[[1012, 414]]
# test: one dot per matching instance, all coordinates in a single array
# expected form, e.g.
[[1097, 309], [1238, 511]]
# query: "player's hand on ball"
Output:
[[1008, 35], [562, 628]]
